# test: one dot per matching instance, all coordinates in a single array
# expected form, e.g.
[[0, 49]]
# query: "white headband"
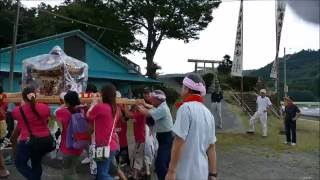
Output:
[[161, 97], [194, 86]]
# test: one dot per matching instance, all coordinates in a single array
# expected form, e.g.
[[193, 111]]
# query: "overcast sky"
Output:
[[219, 37]]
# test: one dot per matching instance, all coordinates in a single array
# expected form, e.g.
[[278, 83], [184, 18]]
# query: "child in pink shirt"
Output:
[[63, 115], [139, 129]]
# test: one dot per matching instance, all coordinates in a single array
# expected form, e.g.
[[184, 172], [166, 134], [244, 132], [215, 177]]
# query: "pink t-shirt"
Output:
[[39, 126], [139, 127], [122, 126], [63, 115], [101, 114]]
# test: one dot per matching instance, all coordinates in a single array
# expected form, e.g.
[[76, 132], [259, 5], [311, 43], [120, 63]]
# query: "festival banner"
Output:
[[280, 11], [238, 50]]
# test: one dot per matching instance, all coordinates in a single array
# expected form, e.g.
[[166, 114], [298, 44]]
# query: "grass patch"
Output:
[[307, 134]]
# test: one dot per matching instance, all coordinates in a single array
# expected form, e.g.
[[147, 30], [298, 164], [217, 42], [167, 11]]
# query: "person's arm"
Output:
[[91, 116], [212, 158], [298, 113], [144, 111], [177, 148], [14, 139], [127, 113], [148, 106], [2, 112]]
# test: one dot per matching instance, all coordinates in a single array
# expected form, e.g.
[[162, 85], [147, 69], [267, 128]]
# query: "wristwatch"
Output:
[[213, 174]]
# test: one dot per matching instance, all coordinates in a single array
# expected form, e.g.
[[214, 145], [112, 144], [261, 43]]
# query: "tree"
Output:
[[226, 65], [37, 23], [163, 19]]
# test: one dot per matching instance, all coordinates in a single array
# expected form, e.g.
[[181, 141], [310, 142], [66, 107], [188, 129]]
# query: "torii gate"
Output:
[[196, 61]]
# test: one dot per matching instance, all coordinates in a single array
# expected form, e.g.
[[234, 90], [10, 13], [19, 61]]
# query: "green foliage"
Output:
[[158, 20], [124, 19], [172, 94], [36, 23], [225, 66], [208, 79], [249, 82], [303, 75]]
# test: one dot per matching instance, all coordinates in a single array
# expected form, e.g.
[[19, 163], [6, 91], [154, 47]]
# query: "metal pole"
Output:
[[13, 48], [196, 67], [285, 88], [241, 90]]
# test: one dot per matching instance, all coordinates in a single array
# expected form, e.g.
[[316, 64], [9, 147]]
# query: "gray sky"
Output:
[[219, 38]]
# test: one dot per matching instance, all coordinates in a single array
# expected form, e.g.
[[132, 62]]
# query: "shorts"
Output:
[[138, 160]]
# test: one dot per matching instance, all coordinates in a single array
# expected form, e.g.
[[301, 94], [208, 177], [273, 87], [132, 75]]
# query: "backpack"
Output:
[[77, 132]]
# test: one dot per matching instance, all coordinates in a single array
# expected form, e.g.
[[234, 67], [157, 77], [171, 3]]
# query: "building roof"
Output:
[[133, 69]]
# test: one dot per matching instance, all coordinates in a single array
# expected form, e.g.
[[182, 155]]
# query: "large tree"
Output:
[[37, 23], [161, 19]]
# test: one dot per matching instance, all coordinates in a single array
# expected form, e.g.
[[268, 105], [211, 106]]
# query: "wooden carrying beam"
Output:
[[16, 98]]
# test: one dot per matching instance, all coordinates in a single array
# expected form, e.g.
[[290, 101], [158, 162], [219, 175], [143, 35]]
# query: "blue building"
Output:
[[104, 66]]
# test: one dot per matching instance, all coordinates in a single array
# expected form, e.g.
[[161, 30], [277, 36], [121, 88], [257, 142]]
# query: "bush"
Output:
[[208, 79], [249, 83]]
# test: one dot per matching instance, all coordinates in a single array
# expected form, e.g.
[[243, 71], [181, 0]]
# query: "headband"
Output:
[[194, 86], [161, 97]]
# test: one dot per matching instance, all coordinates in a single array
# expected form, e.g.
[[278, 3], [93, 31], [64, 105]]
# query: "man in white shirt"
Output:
[[263, 105], [193, 155]]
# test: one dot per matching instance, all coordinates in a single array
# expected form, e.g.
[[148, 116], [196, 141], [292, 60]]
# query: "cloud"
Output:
[[308, 10]]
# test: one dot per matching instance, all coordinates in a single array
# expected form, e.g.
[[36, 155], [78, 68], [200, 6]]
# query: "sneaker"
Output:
[[85, 161], [287, 143], [293, 144]]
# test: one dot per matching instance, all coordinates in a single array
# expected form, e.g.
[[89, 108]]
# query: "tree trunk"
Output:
[[151, 67]]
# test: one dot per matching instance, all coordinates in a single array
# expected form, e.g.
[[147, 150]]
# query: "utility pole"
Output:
[[285, 87], [14, 48]]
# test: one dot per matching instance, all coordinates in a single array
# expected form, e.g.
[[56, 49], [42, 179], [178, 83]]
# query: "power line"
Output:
[[79, 21]]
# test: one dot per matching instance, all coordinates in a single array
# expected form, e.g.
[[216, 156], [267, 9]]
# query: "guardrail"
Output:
[[245, 109], [305, 103]]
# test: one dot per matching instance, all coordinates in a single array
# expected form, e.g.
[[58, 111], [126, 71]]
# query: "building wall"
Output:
[[123, 86], [98, 61]]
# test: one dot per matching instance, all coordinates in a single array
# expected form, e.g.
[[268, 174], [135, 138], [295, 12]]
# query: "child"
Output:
[[139, 125], [70, 155]]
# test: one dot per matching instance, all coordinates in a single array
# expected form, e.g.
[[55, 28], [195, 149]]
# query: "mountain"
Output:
[[303, 75]]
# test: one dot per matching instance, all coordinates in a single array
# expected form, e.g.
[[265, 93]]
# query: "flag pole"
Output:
[[285, 87], [242, 57]]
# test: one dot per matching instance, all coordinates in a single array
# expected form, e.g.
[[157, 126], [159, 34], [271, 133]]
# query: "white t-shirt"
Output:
[[195, 124], [263, 103]]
